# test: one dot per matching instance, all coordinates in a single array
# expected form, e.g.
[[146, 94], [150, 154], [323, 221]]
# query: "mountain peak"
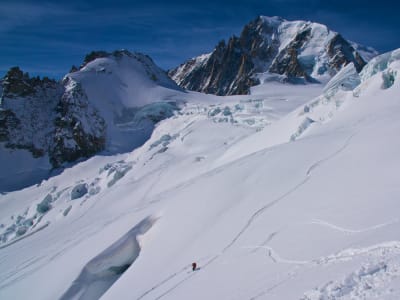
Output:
[[274, 21], [117, 54], [271, 47], [110, 103]]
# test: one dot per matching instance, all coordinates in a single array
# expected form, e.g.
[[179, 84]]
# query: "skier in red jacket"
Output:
[[194, 266]]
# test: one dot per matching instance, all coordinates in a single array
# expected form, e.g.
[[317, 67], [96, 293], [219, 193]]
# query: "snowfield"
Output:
[[289, 193]]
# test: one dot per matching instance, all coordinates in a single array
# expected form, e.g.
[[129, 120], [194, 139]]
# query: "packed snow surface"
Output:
[[288, 193]]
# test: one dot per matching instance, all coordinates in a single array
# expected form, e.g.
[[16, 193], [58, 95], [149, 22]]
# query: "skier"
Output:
[[194, 266]]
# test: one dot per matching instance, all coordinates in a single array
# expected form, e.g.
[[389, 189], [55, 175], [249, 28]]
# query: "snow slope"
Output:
[[300, 205]]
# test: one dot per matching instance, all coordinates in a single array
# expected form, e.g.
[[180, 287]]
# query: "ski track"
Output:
[[329, 157], [252, 218], [255, 215], [342, 255], [15, 276], [266, 242], [276, 258], [187, 278], [351, 231], [81, 235], [161, 283], [291, 275], [163, 195], [290, 191], [9, 277], [25, 236]]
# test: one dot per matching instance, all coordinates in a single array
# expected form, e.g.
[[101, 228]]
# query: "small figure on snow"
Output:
[[194, 266]]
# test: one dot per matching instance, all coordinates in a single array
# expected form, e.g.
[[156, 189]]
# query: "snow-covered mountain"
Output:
[[286, 195], [271, 48], [110, 104]]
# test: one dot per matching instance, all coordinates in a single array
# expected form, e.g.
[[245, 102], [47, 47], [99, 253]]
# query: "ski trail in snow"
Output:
[[345, 254], [9, 278], [173, 275], [153, 288], [162, 195], [351, 231], [276, 258], [255, 215], [187, 278], [269, 238], [25, 236], [175, 286], [309, 171], [289, 276], [329, 157]]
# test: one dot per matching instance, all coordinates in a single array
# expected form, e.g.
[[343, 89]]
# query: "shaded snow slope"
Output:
[[104, 269], [264, 215]]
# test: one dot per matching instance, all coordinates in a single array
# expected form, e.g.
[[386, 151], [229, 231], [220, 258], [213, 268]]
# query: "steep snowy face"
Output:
[[289, 50], [110, 104], [130, 92]]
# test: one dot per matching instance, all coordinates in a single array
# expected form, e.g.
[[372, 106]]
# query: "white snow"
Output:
[[300, 203]]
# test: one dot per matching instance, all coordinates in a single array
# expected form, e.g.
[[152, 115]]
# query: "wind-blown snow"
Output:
[[300, 203]]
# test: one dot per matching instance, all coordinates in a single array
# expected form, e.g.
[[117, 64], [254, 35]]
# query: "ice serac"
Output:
[[346, 79], [111, 103], [379, 64], [271, 47]]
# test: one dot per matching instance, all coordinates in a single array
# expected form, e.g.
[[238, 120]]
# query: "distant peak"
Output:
[[102, 54], [115, 54], [275, 20]]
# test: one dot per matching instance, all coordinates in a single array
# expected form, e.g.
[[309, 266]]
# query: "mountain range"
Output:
[[116, 179]]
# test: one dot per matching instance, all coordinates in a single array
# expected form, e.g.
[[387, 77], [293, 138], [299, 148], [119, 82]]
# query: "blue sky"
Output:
[[47, 37]]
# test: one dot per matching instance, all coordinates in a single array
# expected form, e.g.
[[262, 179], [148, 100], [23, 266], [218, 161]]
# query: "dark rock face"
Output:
[[286, 62], [230, 67], [24, 102], [46, 117], [265, 46], [18, 84], [341, 53], [72, 139], [7, 120], [228, 71]]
